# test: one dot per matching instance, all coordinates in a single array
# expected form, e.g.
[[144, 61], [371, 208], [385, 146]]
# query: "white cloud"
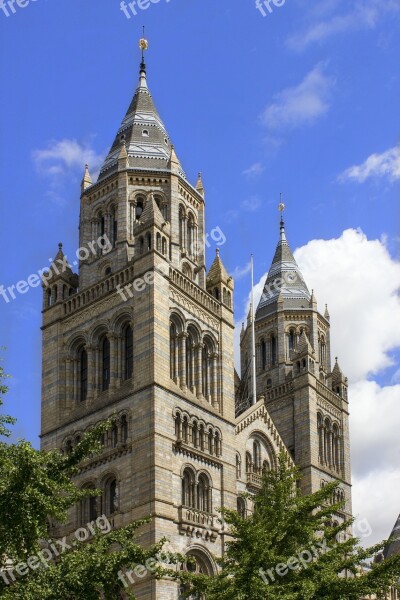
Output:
[[375, 451], [337, 18], [360, 281], [386, 164], [251, 204], [240, 272], [66, 154], [301, 104], [254, 170], [63, 158]]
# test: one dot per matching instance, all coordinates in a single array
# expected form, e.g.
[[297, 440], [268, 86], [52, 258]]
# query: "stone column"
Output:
[[214, 386], [90, 374], [182, 371], [114, 340], [68, 403], [198, 371]]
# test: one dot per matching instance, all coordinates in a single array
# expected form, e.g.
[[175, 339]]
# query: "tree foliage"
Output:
[[36, 488], [289, 549]]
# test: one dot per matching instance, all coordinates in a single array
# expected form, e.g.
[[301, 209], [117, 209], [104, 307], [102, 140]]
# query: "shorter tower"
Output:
[[305, 397]]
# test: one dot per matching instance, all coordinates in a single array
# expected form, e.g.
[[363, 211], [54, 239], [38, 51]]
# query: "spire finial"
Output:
[[281, 209], [60, 246], [143, 45], [218, 252]]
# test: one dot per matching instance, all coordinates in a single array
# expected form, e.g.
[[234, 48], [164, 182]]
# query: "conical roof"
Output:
[[146, 139], [284, 280], [217, 272]]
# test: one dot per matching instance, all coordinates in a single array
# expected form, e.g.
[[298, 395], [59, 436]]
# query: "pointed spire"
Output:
[[313, 301], [284, 283], [326, 313], [123, 156], [200, 186], [304, 345], [218, 273], [87, 180], [151, 213], [146, 139]]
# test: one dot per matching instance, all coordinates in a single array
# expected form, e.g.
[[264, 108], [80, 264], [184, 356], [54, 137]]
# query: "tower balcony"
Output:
[[197, 523], [254, 480]]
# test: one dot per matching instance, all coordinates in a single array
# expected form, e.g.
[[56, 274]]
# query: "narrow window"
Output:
[[83, 362], [105, 364], [128, 340]]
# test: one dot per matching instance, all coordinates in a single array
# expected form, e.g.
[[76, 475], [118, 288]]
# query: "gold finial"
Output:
[[143, 44], [281, 206]]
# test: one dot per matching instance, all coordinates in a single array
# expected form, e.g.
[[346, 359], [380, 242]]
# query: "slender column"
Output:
[[214, 391], [68, 402], [75, 380], [90, 373], [96, 369], [114, 373], [199, 350], [182, 374]]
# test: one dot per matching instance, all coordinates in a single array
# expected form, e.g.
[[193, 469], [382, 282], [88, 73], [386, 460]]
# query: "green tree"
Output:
[[288, 549], [37, 488]]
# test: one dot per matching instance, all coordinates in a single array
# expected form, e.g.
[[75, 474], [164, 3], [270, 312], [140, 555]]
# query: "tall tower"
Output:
[[142, 335], [305, 397]]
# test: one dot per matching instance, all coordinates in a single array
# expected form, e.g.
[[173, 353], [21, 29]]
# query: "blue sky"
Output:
[[303, 101]]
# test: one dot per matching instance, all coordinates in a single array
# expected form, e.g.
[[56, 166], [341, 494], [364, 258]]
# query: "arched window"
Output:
[[292, 340], [141, 245], [139, 208], [249, 463], [201, 438], [206, 372], [181, 227], [274, 349], [238, 466], [88, 507], [102, 224], [111, 497], [263, 354], [241, 508], [203, 494], [187, 271], [173, 352], [190, 234], [185, 430], [335, 447], [114, 227], [188, 496], [105, 364], [124, 429], [218, 449], [210, 442], [320, 425], [158, 242], [322, 350], [128, 352], [164, 246], [148, 242], [257, 456], [328, 443], [114, 435], [83, 375], [195, 434], [68, 447], [190, 367]]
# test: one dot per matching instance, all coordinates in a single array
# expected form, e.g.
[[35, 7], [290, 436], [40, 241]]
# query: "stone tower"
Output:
[[142, 335], [305, 397]]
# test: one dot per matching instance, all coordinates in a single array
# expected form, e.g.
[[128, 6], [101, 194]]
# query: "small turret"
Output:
[[87, 180], [219, 284]]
